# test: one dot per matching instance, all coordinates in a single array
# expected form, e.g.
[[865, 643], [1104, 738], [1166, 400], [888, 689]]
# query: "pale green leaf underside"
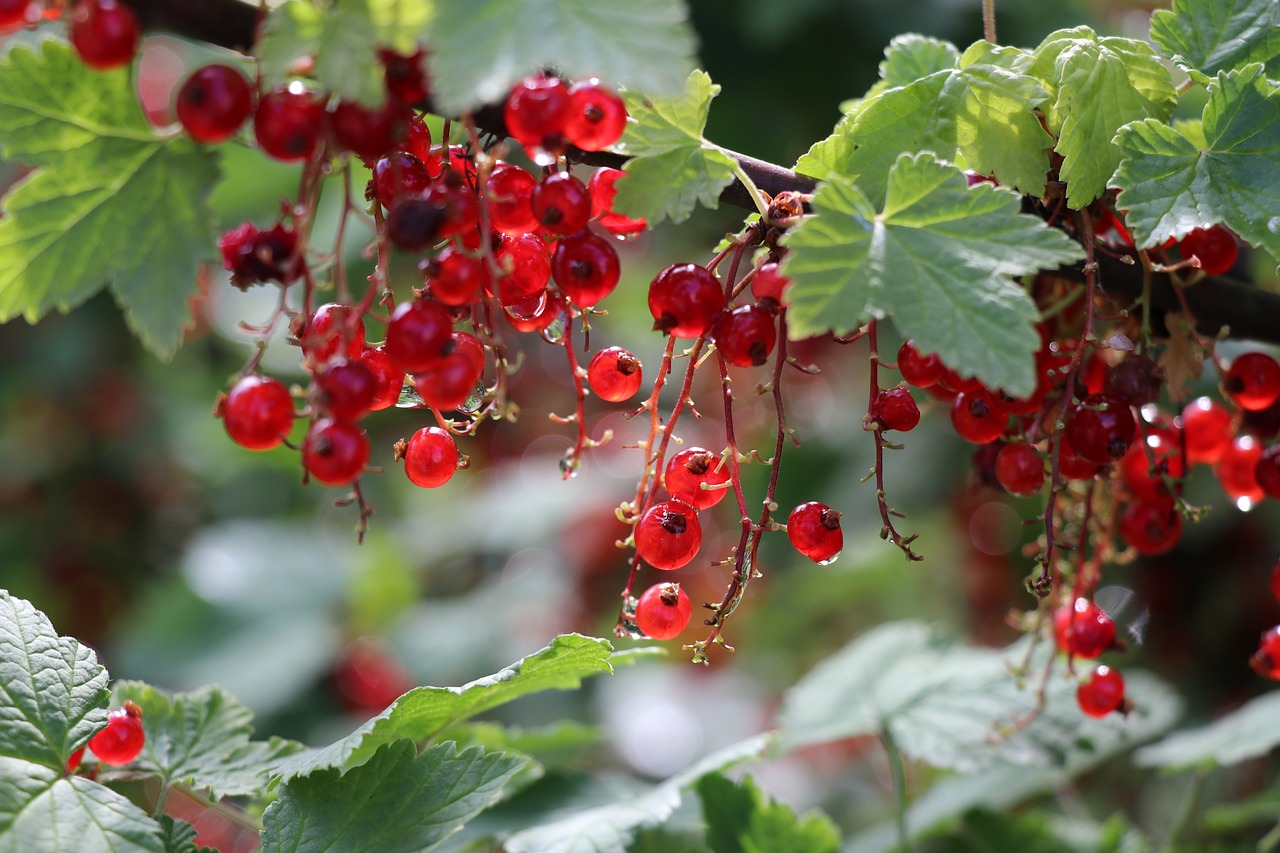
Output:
[[53, 692], [480, 48], [1170, 187], [398, 800], [109, 203], [937, 260], [42, 809], [1247, 732], [425, 712], [672, 168], [1218, 35]]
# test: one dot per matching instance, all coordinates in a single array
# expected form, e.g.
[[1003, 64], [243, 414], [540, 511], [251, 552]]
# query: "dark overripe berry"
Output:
[[614, 374], [254, 256], [335, 452], [684, 300], [668, 535], [405, 75], [213, 102], [814, 530], [415, 223], [691, 468], [663, 611], [586, 268], [257, 413], [1137, 380], [430, 457]]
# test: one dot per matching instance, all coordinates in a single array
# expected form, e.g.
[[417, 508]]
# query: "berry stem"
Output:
[[989, 20], [887, 531]]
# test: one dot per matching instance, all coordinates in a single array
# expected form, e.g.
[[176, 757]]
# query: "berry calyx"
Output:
[[105, 33], [430, 457], [1101, 428], [1253, 381], [614, 374], [1083, 630], [978, 416], [213, 102], [1215, 248], [123, 738], [1101, 692], [668, 535], [257, 413], [1266, 660], [895, 409], [335, 452], [684, 300], [287, 123], [814, 530], [586, 268], [745, 336], [663, 611], [1019, 469], [689, 469], [596, 116]]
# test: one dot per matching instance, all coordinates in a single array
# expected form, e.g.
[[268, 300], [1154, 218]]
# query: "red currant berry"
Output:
[[1019, 469], [1253, 382], [586, 268], [769, 283], [537, 111], [1215, 247], [1101, 692], [603, 188], [19, 13], [334, 329], [978, 416], [668, 535], [430, 457], [920, 370], [1083, 630], [684, 300], [370, 132], [417, 335], [287, 123], [389, 379], [1237, 470], [896, 409], [450, 381], [1101, 428], [257, 413], [814, 530], [1275, 580], [745, 336], [663, 611], [524, 260], [1267, 471], [458, 201], [399, 175], [123, 738], [367, 677], [510, 189], [405, 75], [614, 374], [105, 33], [535, 313], [1207, 426], [1266, 660], [335, 452], [1151, 527], [596, 116], [689, 469], [1144, 482], [213, 103], [456, 278], [74, 761], [561, 203], [346, 390], [1072, 466]]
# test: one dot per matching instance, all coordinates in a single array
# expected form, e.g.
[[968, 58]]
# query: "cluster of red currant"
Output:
[[117, 744]]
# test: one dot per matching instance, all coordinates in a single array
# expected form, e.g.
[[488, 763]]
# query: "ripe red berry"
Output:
[[334, 329], [978, 416], [123, 738], [814, 530], [1083, 630], [1100, 428], [745, 336], [769, 283], [684, 300], [19, 13], [370, 132], [367, 677], [105, 33], [1237, 470], [451, 380], [561, 204], [1140, 479], [524, 260], [74, 761], [430, 457], [288, 122], [389, 379], [614, 374], [535, 313], [399, 175], [1253, 381], [417, 335], [335, 452], [458, 201], [405, 75], [537, 111], [213, 103], [896, 409], [1020, 469], [603, 189], [1266, 472], [346, 390], [1215, 247], [689, 469], [1266, 660], [1101, 692], [663, 611], [920, 370], [456, 278], [596, 116], [509, 190], [1152, 526], [257, 413], [668, 535], [1207, 425], [586, 268]]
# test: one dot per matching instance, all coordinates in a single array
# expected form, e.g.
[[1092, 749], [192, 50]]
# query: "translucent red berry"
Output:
[[334, 329], [769, 283], [978, 416], [586, 268], [105, 33], [1266, 471], [430, 457], [399, 175], [614, 374], [745, 336], [19, 13], [335, 452], [1019, 469], [74, 761], [370, 132], [389, 379], [123, 738], [1101, 692], [509, 191], [668, 535], [1101, 428], [524, 260], [405, 75], [814, 530], [896, 409], [346, 390], [456, 278], [451, 380], [257, 413], [288, 122], [919, 369], [663, 611], [1253, 381], [596, 116], [1215, 247], [458, 201], [691, 468], [417, 335], [684, 300], [1237, 470], [1207, 427], [537, 111], [535, 313], [1151, 526], [561, 204], [1143, 481], [1266, 660], [213, 102], [1083, 630], [367, 677], [603, 189]]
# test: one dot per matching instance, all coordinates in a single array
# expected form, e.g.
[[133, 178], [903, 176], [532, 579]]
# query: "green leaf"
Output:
[[1247, 732], [726, 805], [41, 809], [398, 800], [53, 692], [1095, 86], [109, 202], [741, 819], [1171, 187], [937, 259], [179, 836], [982, 830], [910, 57], [672, 168], [481, 48], [425, 712], [1217, 35], [202, 739]]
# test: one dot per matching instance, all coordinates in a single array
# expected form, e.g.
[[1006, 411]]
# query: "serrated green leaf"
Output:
[[398, 800], [672, 168], [1247, 732], [726, 806], [741, 819], [566, 736], [1217, 35], [937, 260], [425, 712], [1171, 187], [1095, 86], [982, 830], [53, 692], [42, 809], [202, 739], [482, 47], [109, 203], [178, 836], [910, 57]]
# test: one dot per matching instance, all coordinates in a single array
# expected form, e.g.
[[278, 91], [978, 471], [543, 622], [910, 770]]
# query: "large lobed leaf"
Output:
[[1170, 185], [1209, 36], [1247, 732], [937, 259], [109, 203], [53, 692]]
